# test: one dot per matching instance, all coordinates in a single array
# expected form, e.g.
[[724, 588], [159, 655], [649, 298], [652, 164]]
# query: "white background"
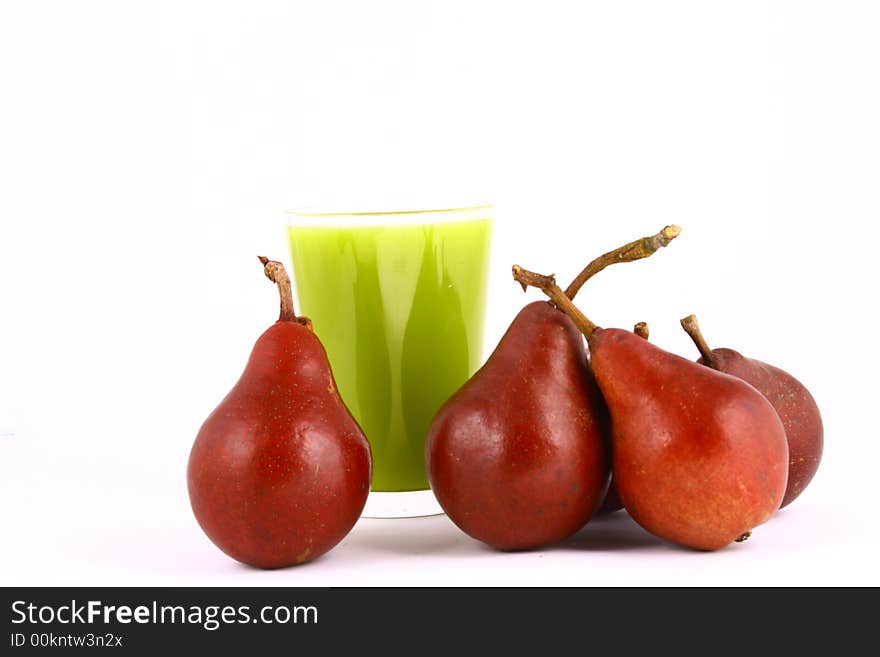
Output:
[[148, 150]]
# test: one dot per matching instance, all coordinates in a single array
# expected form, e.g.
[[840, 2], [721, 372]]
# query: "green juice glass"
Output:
[[398, 300]]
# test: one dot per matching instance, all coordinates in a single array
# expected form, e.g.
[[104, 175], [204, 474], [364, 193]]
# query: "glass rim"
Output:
[[330, 216]]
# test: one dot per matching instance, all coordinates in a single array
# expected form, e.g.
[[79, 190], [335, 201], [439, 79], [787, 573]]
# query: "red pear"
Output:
[[516, 457], [793, 402], [280, 471]]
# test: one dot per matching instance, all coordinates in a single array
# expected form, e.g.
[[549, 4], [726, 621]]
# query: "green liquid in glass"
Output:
[[400, 311]]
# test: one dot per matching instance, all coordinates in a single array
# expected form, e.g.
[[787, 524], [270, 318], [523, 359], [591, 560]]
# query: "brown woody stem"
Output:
[[636, 250], [275, 272], [692, 328], [548, 285], [641, 330]]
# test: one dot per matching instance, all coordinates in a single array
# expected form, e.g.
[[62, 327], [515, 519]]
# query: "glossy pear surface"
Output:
[[280, 471], [700, 457], [796, 408], [516, 457]]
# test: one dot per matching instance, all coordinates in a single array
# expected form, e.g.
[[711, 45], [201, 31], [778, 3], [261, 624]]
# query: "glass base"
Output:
[[402, 504]]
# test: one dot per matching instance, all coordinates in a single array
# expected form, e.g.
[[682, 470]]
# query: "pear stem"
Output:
[[641, 330], [276, 273], [548, 285], [692, 328], [635, 250]]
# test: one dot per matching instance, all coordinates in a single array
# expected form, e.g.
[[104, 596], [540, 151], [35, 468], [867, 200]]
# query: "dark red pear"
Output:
[[700, 457], [517, 457], [280, 471], [793, 402]]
